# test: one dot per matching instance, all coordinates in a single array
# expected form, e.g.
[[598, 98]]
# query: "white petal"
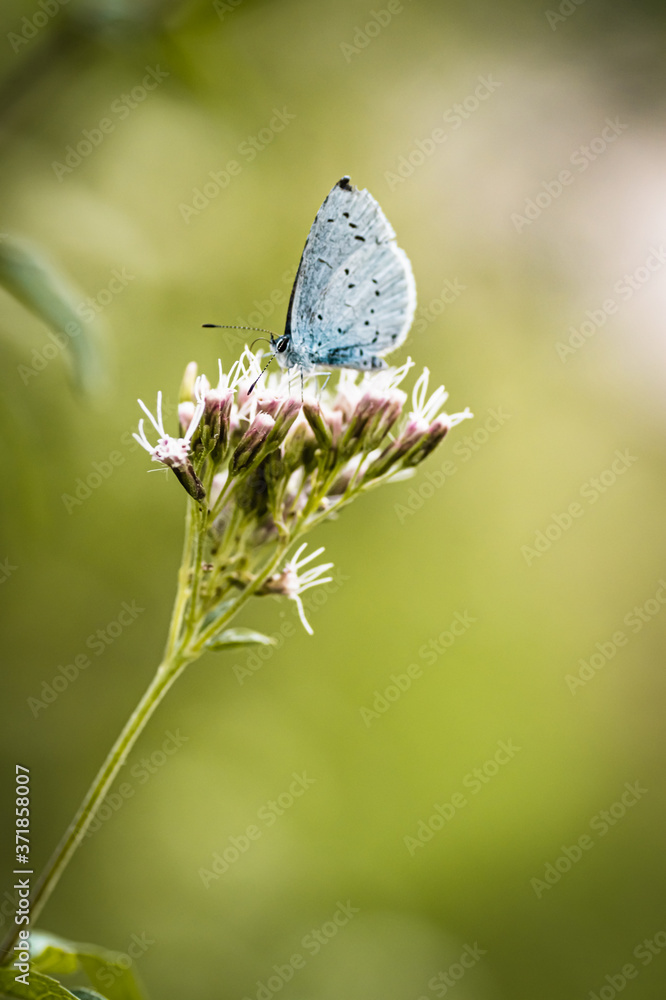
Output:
[[314, 583], [301, 615], [158, 426], [142, 439]]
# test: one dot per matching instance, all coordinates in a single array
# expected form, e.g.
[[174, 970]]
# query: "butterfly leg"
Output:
[[321, 375], [325, 383], [290, 379]]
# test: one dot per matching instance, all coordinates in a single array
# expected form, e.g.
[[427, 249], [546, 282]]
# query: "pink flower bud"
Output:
[[250, 447]]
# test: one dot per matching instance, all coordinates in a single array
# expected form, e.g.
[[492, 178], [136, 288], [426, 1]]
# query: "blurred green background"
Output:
[[478, 208]]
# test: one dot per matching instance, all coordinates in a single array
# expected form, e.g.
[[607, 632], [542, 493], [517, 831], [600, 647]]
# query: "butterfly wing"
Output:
[[354, 296]]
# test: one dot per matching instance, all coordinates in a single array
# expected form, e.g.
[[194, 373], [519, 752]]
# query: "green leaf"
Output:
[[102, 966], [28, 275], [51, 955], [41, 987], [83, 993], [233, 638], [217, 612], [54, 954]]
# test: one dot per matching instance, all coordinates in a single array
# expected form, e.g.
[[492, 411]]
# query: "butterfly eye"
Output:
[[281, 345]]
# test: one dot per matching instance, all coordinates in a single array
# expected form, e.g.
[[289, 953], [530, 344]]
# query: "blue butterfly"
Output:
[[354, 295]]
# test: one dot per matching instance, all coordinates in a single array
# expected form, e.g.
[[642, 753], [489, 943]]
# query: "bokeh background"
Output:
[[536, 88]]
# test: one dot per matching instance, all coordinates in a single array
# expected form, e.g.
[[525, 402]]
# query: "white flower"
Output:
[[392, 377], [292, 583], [425, 409], [169, 450], [245, 368], [457, 418]]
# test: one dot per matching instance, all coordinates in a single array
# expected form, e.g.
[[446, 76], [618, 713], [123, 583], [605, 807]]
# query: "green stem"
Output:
[[183, 646], [198, 647], [166, 674], [176, 658], [183, 592], [199, 519]]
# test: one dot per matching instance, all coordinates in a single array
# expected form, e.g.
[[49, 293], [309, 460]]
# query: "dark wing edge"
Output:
[[345, 184]]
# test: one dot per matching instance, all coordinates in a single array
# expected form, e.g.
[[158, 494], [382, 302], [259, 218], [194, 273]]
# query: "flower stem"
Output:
[[184, 581], [203, 637], [166, 674], [176, 658]]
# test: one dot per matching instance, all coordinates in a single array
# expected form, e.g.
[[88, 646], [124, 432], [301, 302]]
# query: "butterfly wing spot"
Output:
[[361, 238], [345, 215]]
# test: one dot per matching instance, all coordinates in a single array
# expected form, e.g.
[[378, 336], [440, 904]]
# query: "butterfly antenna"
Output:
[[223, 326], [260, 374]]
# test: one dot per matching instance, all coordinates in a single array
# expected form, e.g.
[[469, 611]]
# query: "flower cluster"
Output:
[[265, 466]]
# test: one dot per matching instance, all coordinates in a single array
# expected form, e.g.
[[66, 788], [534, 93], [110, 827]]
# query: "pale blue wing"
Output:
[[354, 295]]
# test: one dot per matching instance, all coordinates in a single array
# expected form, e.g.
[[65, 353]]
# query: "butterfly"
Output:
[[354, 295]]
